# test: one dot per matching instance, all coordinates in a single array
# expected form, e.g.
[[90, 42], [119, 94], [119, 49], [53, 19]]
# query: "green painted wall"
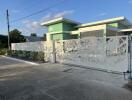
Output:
[[69, 36], [115, 25], [61, 27], [68, 27], [56, 27], [121, 26], [58, 36], [63, 36]]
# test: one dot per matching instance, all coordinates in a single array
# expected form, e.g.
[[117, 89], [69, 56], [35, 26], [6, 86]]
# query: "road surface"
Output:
[[22, 81]]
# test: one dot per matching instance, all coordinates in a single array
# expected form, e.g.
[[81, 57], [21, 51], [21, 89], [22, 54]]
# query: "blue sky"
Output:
[[79, 10]]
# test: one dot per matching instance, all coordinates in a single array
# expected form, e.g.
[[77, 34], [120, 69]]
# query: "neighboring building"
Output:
[[62, 28], [33, 38]]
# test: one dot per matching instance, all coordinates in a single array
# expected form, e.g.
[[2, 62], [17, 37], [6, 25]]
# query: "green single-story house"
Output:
[[63, 29]]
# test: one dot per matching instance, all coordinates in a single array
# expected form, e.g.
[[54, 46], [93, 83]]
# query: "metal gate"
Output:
[[105, 53], [129, 71]]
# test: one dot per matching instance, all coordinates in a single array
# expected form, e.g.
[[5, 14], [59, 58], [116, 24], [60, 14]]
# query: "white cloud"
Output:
[[47, 17], [34, 26], [64, 13], [15, 11], [50, 16], [103, 14], [130, 1]]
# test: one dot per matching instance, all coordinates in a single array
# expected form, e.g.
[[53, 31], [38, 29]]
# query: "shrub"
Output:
[[3, 51], [29, 55], [9, 52]]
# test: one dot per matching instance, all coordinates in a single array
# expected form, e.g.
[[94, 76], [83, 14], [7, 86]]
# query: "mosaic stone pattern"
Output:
[[109, 53]]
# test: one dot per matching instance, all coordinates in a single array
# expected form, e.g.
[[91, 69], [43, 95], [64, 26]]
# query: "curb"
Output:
[[28, 62]]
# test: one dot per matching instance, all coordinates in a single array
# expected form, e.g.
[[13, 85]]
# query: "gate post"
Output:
[[53, 52], [129, 57]]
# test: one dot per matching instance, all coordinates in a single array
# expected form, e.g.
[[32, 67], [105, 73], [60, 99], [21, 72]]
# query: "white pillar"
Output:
[[53, 60]]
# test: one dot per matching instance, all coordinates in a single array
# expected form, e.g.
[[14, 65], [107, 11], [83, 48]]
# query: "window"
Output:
[[96, 33]]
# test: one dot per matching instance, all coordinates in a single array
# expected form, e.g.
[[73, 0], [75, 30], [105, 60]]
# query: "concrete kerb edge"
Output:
[[28, 62]]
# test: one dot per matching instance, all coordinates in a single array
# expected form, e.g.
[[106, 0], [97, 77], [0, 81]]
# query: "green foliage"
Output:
[[3, 41], [16, 37], [3, 51], [34, 34], [28, 55], [9, 52]]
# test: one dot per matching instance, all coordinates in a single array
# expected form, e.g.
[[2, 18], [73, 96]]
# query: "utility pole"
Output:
[[8, 26]]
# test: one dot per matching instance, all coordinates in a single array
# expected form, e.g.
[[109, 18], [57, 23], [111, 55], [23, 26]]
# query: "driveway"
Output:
[[22, 81]]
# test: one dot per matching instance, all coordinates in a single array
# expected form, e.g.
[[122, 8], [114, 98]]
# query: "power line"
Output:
[[38, 12]]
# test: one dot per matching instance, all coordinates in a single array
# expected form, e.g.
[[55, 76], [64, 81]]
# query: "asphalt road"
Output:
[[21, 81]]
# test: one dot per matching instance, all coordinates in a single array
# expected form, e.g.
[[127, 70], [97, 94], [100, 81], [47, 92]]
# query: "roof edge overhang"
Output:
[[126, 30], [58, 32], [121, 19], [57, 20], [126, 22]]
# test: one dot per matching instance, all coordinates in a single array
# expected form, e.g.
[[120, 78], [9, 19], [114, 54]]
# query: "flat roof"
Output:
[[56, 20], [126, 30], [121, 19]]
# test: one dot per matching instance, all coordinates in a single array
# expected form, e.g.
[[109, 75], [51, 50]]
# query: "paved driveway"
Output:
[[21, 81]]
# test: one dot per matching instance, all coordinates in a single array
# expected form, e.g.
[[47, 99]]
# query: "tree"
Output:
[[16, 37], [44, 37], [3, 41], [34, 34]]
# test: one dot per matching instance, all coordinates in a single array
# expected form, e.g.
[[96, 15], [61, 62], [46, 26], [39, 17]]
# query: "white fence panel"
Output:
[[109, 53], [46, 47], [29, 46]]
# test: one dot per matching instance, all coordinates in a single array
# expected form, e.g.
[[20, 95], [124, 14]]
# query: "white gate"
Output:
[[109, 53]]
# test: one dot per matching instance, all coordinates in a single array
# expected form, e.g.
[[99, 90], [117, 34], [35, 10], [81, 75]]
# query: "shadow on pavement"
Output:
[[2, 97], [128, 85]]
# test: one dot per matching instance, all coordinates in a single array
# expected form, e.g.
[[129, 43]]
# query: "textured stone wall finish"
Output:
[[29, 46], [109, 53], [46, 47], [48, 50]]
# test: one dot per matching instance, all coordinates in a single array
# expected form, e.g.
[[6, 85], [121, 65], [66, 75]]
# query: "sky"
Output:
[[82, 11]]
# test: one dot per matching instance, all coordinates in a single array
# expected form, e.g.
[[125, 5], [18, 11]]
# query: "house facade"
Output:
[[63, 29]]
